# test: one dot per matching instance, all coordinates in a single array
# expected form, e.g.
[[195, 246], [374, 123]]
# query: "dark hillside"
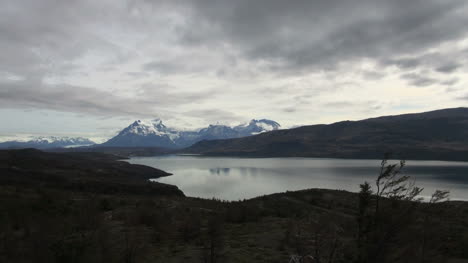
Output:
[[79, 171], [440, 135], [78, 207]]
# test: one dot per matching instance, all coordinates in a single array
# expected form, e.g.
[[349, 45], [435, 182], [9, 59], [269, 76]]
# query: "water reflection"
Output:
[[239, 178], [220, 171]]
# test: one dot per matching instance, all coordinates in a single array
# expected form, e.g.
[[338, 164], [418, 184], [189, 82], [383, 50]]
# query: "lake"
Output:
[[231, 178]]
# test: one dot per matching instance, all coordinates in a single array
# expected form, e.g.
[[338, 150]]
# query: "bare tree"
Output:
[[388, 212], [393, 184]]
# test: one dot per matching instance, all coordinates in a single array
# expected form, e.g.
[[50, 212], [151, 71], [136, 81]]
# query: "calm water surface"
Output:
[[231, 178]]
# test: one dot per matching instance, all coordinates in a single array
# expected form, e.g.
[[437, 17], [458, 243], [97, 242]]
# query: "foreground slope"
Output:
[[441, 134], [71, 208]]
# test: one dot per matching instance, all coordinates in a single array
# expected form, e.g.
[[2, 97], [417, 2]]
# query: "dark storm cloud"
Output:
[[67, 98], [447, 63], [449, 67], [38, 35], [235, 38], [423, 80], [88, 100], [303, 35], [63, 97], [405, 63], [288, 35], [419, 80]]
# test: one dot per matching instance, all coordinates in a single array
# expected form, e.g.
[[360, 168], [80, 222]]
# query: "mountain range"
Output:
[[436, 135], [47, 142], [149, 134], [155, 134]]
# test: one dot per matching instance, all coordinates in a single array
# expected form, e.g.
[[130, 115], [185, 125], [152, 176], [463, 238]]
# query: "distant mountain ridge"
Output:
[[437, 135], [434, 135], [155, 134], [47, 142]]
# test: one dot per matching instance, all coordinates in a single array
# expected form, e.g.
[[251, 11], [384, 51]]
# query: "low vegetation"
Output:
[[71, 208]]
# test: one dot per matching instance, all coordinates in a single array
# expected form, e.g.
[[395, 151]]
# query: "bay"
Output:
[[232, 178]]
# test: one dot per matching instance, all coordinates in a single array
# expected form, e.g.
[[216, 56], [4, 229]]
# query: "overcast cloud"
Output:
[[197, 62]]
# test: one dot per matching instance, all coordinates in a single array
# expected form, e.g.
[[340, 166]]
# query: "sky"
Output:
[[89, 68]]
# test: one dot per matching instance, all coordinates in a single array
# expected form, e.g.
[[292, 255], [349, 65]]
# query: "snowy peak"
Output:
[[158, 124], [258, 126], [155, 134], [44, 142], [219, 129], [146, 128], [265, 125], [142, 133], [217, 132], [63, 140]]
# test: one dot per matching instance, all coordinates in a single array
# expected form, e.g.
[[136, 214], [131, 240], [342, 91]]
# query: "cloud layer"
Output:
[[198, 61]]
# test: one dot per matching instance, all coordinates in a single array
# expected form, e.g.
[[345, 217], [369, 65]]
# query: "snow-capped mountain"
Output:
[[47, 142], [155, 134], [154, 127], [257, 126], [145, 134], [214, 132]]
